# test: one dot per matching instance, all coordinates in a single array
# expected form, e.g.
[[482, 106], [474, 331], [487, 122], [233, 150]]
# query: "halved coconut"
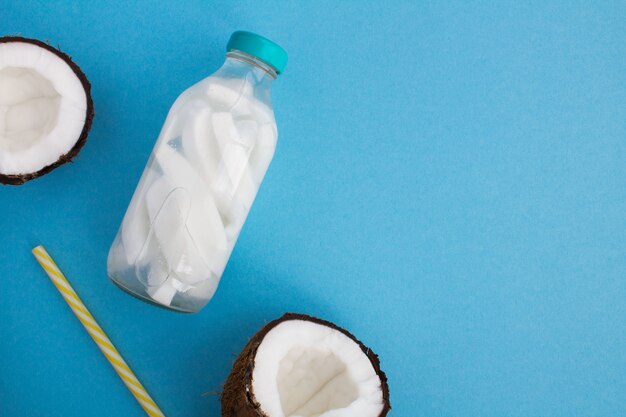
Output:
[[301, 366], [45, 109]]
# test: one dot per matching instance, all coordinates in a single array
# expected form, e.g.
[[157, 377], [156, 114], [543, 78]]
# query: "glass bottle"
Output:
[[200, 181]]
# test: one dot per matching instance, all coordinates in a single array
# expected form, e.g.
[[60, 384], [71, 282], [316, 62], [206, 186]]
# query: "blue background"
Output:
[[450, 185]]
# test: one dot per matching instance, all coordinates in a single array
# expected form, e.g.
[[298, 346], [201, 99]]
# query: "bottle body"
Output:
[[197, 189]]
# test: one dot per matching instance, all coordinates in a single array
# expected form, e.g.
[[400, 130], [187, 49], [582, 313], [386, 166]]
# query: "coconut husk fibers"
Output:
[[18, 179], [238, 398]]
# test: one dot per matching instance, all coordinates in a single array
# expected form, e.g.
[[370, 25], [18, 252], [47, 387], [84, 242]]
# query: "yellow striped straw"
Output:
[[96, 333]]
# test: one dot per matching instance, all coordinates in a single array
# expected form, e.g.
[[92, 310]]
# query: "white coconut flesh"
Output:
[[43, 108], [304, 369]]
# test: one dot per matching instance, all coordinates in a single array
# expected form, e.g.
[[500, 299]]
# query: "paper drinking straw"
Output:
[[96, 333]]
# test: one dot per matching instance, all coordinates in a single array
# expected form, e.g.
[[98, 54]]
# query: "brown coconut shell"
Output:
[[18, 179], [238, 399]]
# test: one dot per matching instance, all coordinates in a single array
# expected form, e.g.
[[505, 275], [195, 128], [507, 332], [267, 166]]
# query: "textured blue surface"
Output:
[[450, 185]]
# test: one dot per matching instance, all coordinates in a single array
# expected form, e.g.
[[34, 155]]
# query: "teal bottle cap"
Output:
[[259, 47]]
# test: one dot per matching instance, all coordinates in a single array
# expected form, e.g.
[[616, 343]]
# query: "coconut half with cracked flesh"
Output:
[[301, 366], [46, 109]]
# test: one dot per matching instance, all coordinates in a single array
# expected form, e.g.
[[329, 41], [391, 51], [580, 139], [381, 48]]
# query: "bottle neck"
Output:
[[260, 71], [255, 72]]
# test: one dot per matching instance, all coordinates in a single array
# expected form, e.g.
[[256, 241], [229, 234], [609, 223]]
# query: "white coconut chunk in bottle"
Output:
[[177, 257], [199, 144], [168, 209], [235, 151], [263, 151], [164, 293], [204, 220], [226, 93], [234, 196], [162, 289], [136, 222], [45, 109], [238, 206]]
